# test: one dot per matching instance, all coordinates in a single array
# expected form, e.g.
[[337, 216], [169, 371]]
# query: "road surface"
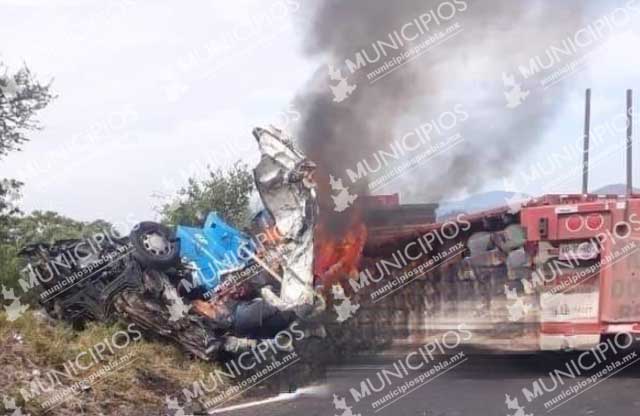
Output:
[[468, 385]]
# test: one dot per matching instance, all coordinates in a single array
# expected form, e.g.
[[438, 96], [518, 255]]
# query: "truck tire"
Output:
[[155, 245]]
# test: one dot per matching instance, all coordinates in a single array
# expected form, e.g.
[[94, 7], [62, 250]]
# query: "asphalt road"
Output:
[[469, 385]]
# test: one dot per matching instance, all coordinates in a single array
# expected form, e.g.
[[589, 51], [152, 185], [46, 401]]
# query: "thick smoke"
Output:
[[463, 72]]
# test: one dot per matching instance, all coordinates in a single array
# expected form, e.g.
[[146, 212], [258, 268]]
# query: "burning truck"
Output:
[[558, 272], [551, 273]]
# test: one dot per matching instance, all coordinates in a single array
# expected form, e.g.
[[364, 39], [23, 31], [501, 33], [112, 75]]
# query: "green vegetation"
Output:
[[21, 97], [31, 347], [228, 193]]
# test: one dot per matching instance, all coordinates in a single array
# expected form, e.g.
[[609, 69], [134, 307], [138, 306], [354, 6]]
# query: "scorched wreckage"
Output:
[[551, 273], [213, 289]]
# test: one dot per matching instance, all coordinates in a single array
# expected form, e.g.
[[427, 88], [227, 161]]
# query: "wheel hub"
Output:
[[156, 244]]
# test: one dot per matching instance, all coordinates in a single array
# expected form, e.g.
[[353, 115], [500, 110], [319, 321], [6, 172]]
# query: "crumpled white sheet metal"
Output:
[[285, 184]]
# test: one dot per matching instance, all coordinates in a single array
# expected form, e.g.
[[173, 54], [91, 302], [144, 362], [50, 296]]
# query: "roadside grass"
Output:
[[40, 358]]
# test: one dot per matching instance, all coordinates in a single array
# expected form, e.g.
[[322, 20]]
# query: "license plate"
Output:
[[587, 250]]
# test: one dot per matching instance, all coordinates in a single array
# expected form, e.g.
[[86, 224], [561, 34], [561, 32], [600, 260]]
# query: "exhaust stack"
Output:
[[587, 128], [629, 141]]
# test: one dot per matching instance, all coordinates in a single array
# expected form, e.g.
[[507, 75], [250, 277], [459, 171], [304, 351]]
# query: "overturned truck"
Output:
[[214, 290]]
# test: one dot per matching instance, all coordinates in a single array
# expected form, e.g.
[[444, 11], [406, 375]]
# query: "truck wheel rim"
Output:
[[156, 244]]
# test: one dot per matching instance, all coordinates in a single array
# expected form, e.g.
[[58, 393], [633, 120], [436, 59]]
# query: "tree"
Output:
[[9, 262], [9, 196], [21, 97], [49, 226], [228, 193]]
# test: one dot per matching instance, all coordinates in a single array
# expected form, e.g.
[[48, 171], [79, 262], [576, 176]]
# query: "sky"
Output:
[[151, 92]]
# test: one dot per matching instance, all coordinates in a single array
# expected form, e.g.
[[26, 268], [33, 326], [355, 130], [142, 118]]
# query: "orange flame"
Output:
[[338, 258], [339, 237]]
